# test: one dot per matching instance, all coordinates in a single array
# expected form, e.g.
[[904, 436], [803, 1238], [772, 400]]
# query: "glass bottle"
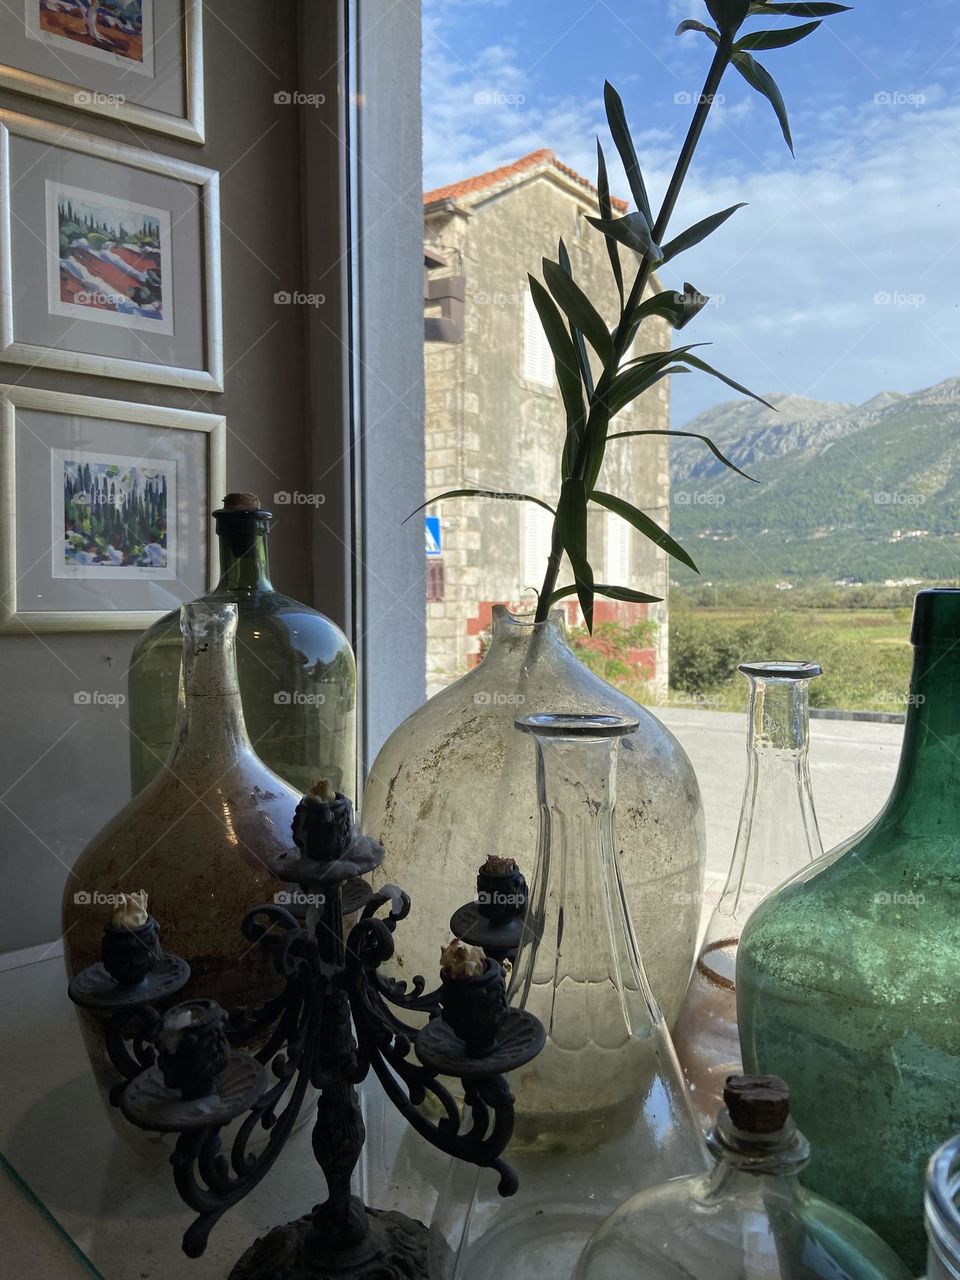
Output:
[[847, 974], [297, 672], [455, 783], [603, 1109], [777, 836], [941, 1204], [748, 1219], [199, 839]]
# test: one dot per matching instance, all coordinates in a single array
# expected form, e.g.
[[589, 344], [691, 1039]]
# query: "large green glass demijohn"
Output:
[[296, 668], [847, 975]]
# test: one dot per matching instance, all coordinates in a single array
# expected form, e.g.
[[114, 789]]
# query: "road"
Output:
[[852, 767]]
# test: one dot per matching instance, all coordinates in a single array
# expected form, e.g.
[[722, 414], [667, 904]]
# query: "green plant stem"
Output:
[[625, 330]]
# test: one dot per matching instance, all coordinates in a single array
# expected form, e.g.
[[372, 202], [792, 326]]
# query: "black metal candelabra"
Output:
[[186, 1070]]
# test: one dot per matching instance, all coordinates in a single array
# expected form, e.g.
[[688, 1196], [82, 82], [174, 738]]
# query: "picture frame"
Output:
[[128, 245], [105, 510], [151, 79]]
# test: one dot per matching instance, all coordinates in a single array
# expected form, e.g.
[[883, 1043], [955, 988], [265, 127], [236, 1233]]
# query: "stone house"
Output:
[[494, 416]]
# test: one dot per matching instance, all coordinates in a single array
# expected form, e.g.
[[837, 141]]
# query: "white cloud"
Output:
[[868, 209]]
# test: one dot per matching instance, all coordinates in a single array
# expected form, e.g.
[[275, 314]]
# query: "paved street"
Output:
[[852, 766]]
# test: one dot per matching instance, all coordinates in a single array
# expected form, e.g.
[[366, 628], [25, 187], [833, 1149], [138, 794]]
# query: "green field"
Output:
[[864, 652]]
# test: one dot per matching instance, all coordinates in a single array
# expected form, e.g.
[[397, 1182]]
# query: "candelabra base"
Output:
[[395, 1248]]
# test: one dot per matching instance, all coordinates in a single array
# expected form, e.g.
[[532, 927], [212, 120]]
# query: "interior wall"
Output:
[[63, 767]]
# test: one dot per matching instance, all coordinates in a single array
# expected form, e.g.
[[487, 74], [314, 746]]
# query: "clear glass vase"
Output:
[[603, 1109], [777, 836], [942, 1212], [748, 1219], [296, 669], [455, 783], [847, 974]]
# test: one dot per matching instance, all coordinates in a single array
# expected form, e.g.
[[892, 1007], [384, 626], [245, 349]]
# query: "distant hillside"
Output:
[[869, 492]]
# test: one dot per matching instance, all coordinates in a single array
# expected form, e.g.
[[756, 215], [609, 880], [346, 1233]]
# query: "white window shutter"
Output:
[[537, 356], [618, 546]]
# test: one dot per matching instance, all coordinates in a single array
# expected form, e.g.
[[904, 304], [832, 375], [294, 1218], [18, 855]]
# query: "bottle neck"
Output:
[[927, 787], [747, 1163], [244, 558], [210, 732]]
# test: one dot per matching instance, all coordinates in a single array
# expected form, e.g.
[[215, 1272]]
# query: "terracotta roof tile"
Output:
[[494, 177]]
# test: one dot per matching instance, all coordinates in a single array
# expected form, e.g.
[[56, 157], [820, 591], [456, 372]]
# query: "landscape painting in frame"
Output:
[[117, 31], [108, 260], [114, 517]]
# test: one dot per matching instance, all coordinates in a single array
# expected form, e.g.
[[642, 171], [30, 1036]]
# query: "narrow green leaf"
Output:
[[696, 363], [586, 373], [691, 435], [572, 528], [480, 493], [572, 441], [579, 309], [691, 24], [564, 355], [777, 39], [634, 383], [728, 14], [797, 10], [633, 231], [699, 231], [606, 213], [649, 528], [620, 132], [760, 79], [612, 593], [678, 308]]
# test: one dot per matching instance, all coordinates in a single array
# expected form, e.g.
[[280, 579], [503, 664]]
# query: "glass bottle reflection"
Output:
[[777, 836], [604, 1108]]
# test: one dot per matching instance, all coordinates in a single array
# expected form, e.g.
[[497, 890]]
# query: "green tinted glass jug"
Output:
[[847, 975]]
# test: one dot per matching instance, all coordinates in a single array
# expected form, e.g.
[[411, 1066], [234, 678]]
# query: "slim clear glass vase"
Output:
[[777, 836], [604, 1108]]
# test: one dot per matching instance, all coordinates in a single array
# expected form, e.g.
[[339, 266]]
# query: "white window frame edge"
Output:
[[366, 394]]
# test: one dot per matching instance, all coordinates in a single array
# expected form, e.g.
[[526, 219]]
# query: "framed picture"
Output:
[[137, 61], [104, 511], [109, 258]]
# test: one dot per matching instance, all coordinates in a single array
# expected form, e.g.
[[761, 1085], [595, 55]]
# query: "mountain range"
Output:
[[844, 492]]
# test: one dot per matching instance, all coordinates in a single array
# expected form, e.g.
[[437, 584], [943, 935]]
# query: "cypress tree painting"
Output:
[[116, 516]]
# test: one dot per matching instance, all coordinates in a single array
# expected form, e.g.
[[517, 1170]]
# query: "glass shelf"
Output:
[[111, 1207]]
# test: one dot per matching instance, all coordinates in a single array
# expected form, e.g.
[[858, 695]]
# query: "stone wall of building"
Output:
[[488, 426]]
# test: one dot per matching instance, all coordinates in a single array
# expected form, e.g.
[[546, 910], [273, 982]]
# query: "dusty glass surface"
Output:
[[455, 783]]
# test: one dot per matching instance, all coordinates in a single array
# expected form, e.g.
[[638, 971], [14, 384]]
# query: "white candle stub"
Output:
[[131, 912], [323, 792], [174, 1025], [461, 960]]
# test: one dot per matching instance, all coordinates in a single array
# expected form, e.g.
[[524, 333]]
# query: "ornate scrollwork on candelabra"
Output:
[[337, 1018]]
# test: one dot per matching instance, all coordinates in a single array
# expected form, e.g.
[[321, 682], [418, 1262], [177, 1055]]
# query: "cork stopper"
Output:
[[241, 502], [757, 1104]]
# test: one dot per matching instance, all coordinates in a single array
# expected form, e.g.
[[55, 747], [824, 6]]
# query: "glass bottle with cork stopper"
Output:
[[748, 1217]]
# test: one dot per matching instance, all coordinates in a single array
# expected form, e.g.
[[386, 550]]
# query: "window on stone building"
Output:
[[537, 534], [537, 357], [436, 582], [617, 559]]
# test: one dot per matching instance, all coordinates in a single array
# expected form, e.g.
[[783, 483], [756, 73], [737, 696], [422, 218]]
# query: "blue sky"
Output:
[[842, 277]]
